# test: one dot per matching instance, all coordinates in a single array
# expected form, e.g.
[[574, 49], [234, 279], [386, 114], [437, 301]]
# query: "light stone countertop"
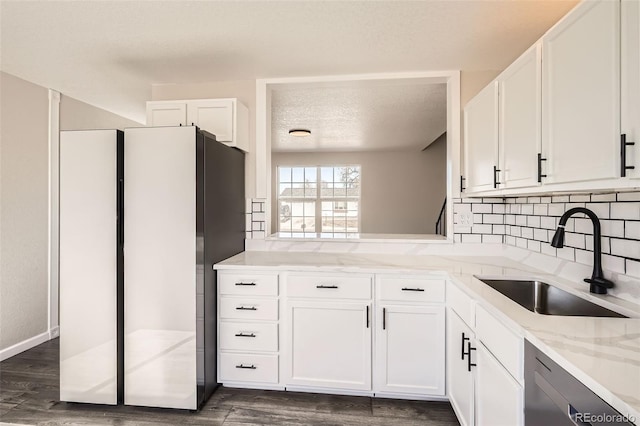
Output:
[[603, 353]]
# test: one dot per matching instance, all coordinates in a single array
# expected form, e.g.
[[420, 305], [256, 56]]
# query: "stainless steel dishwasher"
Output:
[[555, 397]]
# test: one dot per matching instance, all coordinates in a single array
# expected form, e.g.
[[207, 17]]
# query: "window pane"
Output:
[[310, 190], [326, 192], [298, 174], [339, 174], [326, 174], [285, 174], [310, 174], [285, 190]]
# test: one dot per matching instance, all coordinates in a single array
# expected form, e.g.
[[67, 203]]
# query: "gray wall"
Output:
[[24, 111], [24, 171], [402, 192]]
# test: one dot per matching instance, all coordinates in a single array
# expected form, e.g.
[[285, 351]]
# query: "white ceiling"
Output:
[[364, 116], [109, 53]]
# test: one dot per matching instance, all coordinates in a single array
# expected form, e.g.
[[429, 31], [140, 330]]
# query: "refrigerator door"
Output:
[[160, 267], [88, 266]]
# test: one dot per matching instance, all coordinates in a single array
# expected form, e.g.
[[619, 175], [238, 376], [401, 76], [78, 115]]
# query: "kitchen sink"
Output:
[[546, 299]]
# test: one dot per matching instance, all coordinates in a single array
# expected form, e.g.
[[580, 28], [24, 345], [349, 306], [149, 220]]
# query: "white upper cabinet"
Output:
[[519, 120], [481, 141], [227, 119], [630, 84], [581, 94], [166, 114]]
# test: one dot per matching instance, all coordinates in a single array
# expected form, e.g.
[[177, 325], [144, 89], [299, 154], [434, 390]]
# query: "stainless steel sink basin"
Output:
[[546, 299]]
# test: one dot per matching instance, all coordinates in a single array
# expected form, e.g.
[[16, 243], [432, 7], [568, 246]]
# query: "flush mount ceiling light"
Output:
[[299, 132]]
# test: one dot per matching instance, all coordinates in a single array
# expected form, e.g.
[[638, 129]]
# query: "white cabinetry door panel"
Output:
[[410, 350], [166, 114], [88, 271], [499, 398], [481, 139], [329, 345], [519, 119], [460, 381], [581, 94], [213, 115], [630, 84]]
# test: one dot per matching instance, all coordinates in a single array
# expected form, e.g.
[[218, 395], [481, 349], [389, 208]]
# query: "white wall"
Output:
[[77, 115], [402, 192], [24, 174], [24, 111], [244, 90]]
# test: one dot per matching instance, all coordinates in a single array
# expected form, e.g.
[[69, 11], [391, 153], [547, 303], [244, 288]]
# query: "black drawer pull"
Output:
[[241, 283], [248, 367], [462, 352], [326, 286], [244, 308], [245, 335], [469, 363], [412, 289]]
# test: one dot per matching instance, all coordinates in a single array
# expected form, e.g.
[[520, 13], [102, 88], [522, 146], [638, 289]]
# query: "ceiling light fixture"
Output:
[[299, 132]]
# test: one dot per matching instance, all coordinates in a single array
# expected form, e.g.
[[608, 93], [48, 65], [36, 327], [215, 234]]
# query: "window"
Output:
[[322, 199]]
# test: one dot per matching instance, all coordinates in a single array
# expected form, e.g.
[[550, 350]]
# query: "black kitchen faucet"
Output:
[[599, 284]]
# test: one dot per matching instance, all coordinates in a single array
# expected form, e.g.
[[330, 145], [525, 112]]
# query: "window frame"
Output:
[[318, 199]]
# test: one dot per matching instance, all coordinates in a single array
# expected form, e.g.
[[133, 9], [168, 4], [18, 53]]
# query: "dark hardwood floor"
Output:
[[29, 395]]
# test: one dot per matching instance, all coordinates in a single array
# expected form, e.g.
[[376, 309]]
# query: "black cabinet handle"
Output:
[[245, 335], [412, 289], [623, 155], [540, 175], [249, 367], [496, 182], [326, 286], [244, 308], [462, 352], [367, 316], [462, 179], [384, 318], [241, 283], [469, 363]]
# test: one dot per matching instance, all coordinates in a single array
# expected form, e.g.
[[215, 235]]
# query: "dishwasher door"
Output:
[[555, 397]]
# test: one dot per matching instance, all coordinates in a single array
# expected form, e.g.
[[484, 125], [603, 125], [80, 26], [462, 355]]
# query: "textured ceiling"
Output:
[[109, 52], [364, 116]]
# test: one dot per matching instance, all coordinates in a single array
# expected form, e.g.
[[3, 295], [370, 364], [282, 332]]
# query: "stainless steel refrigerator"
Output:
[[184, 206]]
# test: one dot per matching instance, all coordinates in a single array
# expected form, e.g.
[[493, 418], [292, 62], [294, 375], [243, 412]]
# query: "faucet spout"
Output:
[[598, 283]]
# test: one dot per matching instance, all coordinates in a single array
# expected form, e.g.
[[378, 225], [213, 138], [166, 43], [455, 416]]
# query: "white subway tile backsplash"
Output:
[[471, 238], [481, 229], [629, 196], [556, 209], [516, 209], [548, 222], [534, 245], [545, 200], [492, 239], [477, 218], [521, 242], [510, 219], [526, 209], [613, 228], [533, 221], [560, 199], [516, 231], [603, 197], [482, 208], [583, 226], [574, 240], [579, 198], [625, 248], [632, 230], [567, 253], [632, 267], [510, 240], [499, 208], [548, 249], [499, 229], [613, 264], [541, 209], [527, 233], [521, 220], [625, 211], [541, 235], [585, 257], [533, 200], [493, 200], [493, 219], [600, 209]]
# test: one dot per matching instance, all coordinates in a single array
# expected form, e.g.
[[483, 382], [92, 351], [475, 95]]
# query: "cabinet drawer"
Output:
[[329, 286], [503, 343], [249, 284], [462, 304], [249, 308], [411, 289], [248, 368], [248, 336]]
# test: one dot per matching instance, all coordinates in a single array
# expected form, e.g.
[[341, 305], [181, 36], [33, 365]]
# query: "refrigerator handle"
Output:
[[121, 211]]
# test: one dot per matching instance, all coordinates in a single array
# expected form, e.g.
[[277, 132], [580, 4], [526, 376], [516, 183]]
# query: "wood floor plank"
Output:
[[29, 395]]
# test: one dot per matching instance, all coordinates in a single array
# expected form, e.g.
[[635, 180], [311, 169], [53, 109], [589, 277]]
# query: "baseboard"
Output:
[[54, 332], [28, 343]]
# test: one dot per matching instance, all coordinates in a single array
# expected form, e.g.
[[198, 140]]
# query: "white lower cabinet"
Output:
[[499, 397], [329, 344], [460, 368]]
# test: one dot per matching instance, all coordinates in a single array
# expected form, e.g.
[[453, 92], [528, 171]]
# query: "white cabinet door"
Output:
[[213, 115], [410, 350], [329, 345], [519, 119], [460, 381], [481, 140], [499, 397], [630, 84], [166, 113], [581, 94]]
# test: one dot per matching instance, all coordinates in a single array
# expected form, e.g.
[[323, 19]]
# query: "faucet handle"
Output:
[[599, 285]]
